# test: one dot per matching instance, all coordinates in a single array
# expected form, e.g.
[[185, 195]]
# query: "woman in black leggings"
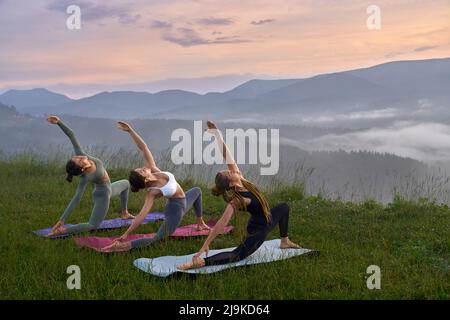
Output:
[[240, 193]]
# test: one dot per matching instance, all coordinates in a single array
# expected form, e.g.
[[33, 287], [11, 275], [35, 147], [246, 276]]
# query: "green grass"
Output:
[[410, 241]]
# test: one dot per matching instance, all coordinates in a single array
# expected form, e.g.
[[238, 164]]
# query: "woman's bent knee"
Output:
[[285, 207], [282, 207], [94, 226]]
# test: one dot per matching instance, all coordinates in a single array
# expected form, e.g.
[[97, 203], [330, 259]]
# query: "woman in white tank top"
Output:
[[159, 184]]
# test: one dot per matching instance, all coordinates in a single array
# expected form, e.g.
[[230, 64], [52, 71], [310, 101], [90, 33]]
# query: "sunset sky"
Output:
[[152, 45]]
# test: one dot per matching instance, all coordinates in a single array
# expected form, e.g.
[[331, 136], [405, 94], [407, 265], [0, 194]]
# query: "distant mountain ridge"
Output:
[[399, 85], [22, 99]]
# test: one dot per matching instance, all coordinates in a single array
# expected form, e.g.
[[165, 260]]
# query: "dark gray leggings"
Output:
[[174, 212], [102, 195]]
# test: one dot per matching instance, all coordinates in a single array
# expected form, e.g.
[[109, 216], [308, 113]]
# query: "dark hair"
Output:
[[72, 170], [137, 181]]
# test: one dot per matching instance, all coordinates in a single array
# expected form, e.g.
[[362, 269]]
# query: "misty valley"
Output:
[[360, 134]]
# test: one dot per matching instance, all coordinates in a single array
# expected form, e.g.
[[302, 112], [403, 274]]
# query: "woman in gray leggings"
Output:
[[159, 184], [89, 169]]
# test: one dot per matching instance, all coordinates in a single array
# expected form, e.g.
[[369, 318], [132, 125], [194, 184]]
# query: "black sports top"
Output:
[[254, 208]]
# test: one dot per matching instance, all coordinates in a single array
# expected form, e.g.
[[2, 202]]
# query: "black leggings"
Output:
[[255, 238]]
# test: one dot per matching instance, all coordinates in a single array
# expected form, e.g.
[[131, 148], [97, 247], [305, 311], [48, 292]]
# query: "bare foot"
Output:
[[288, 244], [126, 215], [193, 264], [117, 246]]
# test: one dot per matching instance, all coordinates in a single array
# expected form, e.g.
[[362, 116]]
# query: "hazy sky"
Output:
[[147, 44]]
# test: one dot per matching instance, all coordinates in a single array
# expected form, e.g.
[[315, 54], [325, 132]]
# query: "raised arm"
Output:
[[76, 145], [76, 198], [140, 144], [231, 163]]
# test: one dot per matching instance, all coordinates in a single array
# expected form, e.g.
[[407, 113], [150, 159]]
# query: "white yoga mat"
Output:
[[167, 265]]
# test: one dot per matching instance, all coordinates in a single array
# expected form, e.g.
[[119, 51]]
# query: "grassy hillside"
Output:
[[410, 241]]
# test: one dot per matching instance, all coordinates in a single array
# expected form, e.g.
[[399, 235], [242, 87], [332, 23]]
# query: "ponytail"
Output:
[[261, 198]]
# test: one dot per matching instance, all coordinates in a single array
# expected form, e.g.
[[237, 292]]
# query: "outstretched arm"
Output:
[[231, 163], [140, 144], [137, 221], [76, 145], [218, 228], [76, 198]]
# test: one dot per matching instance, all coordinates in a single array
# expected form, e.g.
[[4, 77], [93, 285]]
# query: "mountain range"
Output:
[[399, 90]]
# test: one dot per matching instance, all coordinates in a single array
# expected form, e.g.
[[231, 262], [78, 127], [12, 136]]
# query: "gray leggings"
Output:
[[174, 212], [102, 195]]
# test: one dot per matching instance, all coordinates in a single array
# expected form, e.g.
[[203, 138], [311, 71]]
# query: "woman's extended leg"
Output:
[[122, 188], [174, 211], [255, 238], [280, 217], [194, 200], [251, 243], [101, 206]]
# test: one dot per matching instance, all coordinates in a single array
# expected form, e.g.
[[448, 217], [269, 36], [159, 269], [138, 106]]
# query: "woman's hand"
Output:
[[211, 125], [60, 223], [117, 246], [116, 243], [122, 125], [212, 128], [57, 229], [121, 238], [53, 119], [204, 249]]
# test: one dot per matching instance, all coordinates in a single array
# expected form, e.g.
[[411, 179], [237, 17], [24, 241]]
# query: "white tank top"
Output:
[[170, 187]]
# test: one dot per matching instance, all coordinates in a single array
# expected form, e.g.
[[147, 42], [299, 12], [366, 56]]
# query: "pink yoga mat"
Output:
[[98, 243]]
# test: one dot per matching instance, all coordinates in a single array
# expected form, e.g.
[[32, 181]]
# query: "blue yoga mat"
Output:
[[167, 265], [106, 224]]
